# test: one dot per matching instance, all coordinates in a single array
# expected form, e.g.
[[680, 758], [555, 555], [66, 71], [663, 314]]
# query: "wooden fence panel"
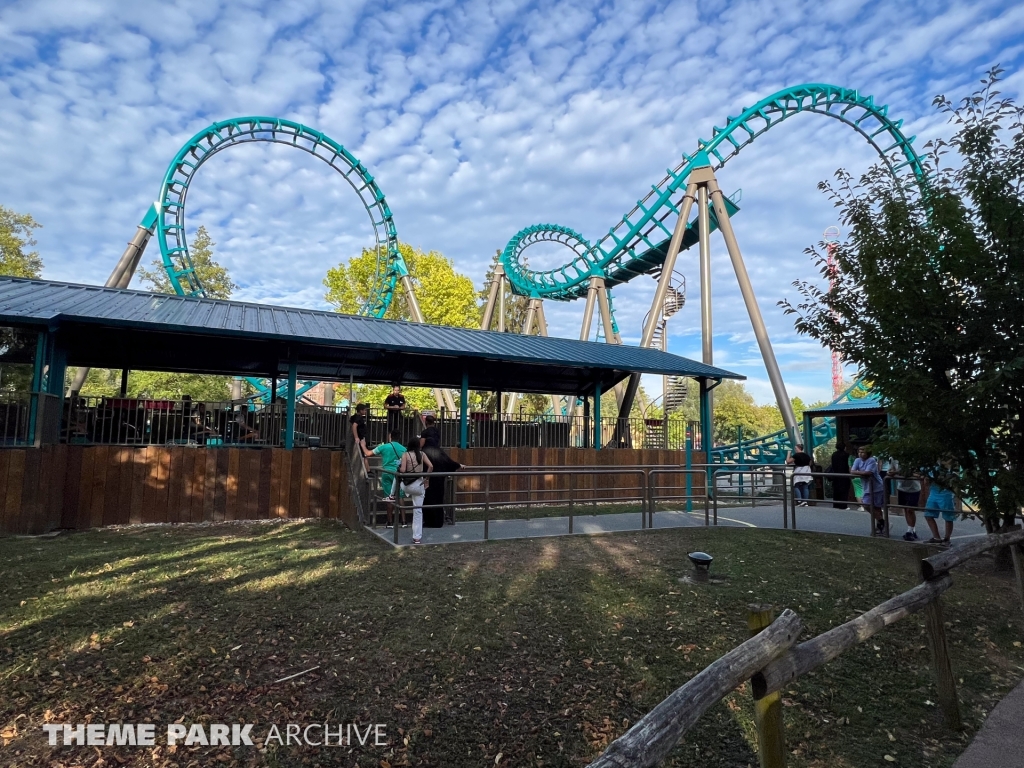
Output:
[[79, 487]]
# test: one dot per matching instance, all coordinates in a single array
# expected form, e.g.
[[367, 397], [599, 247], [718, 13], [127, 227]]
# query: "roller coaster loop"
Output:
[[169, 211], [622, 251]]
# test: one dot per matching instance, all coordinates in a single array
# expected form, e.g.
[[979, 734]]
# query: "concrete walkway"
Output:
[[1000, 742], [846, 522]]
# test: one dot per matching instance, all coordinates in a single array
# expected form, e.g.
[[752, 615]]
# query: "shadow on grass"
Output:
[[540, 651]]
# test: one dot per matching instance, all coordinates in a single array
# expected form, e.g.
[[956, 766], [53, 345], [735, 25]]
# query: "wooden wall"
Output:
[[78, 487], [608, 485]]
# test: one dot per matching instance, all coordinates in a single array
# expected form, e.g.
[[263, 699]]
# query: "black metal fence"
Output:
[[151, 421]]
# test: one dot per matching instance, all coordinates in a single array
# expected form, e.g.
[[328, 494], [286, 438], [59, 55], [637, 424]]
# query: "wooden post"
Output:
[[944, 681], [771, 734], [1018, 572]]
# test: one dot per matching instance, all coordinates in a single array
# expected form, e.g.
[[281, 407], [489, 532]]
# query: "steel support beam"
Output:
[[442, 397], [119, 278], [657, 304], [497, 284], [754, 311]]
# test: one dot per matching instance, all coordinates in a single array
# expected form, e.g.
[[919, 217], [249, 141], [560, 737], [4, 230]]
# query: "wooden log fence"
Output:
[[771, 659]]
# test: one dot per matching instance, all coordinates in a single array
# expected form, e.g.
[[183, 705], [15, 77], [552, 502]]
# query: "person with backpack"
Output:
[[391, 457], [414, 461]]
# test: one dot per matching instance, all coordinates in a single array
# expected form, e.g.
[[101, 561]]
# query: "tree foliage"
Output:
[[217, 284], [15, 239], [928, 299], [215, 278], [104, 382], [445, 296]]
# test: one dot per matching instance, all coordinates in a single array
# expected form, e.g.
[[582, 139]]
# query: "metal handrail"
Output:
[[487, 503], [653, 497]]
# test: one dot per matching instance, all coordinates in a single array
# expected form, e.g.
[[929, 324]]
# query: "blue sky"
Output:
[[476, 119]]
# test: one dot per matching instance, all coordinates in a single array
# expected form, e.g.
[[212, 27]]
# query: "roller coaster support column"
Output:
[[626, 402], [767, 353], [122, 275], [542, 330], [707, 346], [497, 284], [531, 316], [588, 320], [610, 334], [442, 397]]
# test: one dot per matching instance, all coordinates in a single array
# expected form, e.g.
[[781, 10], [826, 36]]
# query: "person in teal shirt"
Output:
[[391, 456]]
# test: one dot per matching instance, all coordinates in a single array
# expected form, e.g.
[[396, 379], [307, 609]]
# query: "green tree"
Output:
[[217, 283], [15, 238], [445, 297], [104, 382], [215, 278], [928, 300]]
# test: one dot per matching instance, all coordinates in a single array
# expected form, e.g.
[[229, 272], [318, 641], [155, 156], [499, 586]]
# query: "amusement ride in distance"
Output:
[[646, 241]]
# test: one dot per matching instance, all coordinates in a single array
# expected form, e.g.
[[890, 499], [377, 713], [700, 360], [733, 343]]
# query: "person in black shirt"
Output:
[[395, 404], [358, 422], [434, 512], [840, 465]]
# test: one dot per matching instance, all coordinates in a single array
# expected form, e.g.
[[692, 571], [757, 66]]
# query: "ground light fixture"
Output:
[[701, 565]]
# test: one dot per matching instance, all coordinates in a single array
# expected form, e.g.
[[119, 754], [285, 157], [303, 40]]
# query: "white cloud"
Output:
[[476, 118]]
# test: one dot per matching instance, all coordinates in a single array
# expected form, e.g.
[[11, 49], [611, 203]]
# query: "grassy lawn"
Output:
[[516, 653]]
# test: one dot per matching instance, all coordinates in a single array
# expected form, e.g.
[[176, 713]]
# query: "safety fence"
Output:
[[492, 493], [878, 511], [771, 660], [148, 421], [154, 421]]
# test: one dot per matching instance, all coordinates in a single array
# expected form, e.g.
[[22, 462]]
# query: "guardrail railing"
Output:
[[572, 489], [772, 660]]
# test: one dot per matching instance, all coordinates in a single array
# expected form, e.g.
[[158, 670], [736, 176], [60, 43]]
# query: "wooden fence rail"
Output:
[[771, 660]]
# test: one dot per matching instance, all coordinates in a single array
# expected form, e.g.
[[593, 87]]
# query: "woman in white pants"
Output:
[[414, 461]]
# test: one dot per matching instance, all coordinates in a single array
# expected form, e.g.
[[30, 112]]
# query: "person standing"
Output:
[[940, 502], [434, 511], [866, 468], [802, 480], [395, 404], [840, 465], [358, 425], [414, 461], [390, 456], [908, 496]]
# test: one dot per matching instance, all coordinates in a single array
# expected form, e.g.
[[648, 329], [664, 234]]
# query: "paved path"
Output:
[[1000, 742], [847, 522]]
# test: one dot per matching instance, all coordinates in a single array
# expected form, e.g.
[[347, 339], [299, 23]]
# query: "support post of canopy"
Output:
[[760, 332], [289, 421], [463, 411], [597, 415]]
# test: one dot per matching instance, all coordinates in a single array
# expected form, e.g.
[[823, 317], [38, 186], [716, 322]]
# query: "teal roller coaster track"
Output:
[[635, 246]]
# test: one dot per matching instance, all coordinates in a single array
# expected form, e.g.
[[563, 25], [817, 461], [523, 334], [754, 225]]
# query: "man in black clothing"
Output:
[[800, 458], [395, 404], [358, 422]]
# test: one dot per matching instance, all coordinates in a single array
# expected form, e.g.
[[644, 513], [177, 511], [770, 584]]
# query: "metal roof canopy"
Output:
[[112, 328], [864, 405]]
